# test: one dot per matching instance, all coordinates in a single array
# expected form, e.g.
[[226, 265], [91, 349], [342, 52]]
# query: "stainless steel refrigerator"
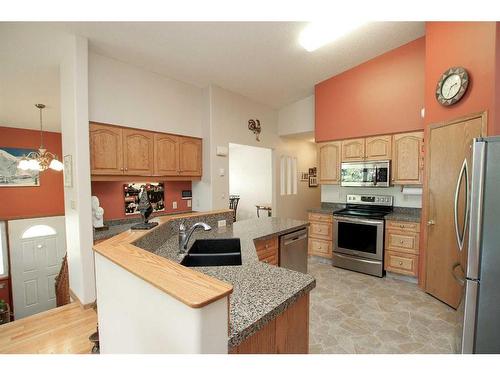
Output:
[[480, 306]]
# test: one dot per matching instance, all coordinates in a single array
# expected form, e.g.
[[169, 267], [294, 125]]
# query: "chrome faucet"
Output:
[[184, 235]]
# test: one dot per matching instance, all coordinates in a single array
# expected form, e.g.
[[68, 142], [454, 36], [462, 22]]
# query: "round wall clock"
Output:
[[452, 86]]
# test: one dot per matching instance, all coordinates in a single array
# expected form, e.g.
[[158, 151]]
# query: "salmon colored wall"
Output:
[[110, 194], [471, 45], [44, 200], [383, 95]]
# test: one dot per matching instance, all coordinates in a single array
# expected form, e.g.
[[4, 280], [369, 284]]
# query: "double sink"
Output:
[[214, 252]]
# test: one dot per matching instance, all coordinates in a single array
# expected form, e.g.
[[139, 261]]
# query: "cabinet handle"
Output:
[[400, 263], [126, 169], [121, 169]]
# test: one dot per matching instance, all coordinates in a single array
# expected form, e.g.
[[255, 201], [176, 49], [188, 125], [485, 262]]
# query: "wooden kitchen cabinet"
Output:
[[116, 151], [378, 148], [166, 155], [329, 162], [407, 158], [106, 154], [402, 247], [353, 150], [267, 250], [320, 235], [190, 156], [138, 152]]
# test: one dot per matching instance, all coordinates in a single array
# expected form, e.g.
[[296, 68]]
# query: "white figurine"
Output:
[[97, 213]]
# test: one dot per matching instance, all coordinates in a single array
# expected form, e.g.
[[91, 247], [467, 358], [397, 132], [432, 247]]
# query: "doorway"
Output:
[[251, 179]]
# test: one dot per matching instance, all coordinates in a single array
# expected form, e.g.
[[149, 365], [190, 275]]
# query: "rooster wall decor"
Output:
[[254, 126]]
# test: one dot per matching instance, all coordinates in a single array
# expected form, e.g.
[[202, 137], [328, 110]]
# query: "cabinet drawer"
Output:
[[267, 248], [320, 217], [407, 242], [403, 225], [321, 230], [320, 248], [273, 259], [405, 264]]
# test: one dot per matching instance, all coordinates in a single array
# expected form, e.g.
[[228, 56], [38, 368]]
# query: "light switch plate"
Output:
[[174, 204], [221, 223], [189, 202]]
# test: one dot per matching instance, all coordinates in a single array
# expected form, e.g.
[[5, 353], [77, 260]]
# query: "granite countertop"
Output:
[[327, 208], [261, 291], [405, 214], [121, 225]]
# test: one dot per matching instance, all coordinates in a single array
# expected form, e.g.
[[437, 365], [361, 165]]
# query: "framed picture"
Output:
[[312, 171], [304, 176], [156, 196], [10, 175], [68, 171], [313, 181]]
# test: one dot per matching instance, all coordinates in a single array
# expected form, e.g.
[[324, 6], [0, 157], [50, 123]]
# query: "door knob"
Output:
[[431, 222]]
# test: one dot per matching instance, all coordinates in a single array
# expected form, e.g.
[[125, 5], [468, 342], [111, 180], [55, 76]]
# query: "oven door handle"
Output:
[[358, 221], [357, 259]]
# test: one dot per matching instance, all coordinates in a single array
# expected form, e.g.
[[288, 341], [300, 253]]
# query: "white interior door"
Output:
[[37, 247]]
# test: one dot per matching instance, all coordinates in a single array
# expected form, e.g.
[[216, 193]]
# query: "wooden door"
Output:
[[37, 248], [329, 162], [407, 159], [166, 155], [353, 150], [190, 156], [106, 155], [138, 152], [448, 146], [378, 148]]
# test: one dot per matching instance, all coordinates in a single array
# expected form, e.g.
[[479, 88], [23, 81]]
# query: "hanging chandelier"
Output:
[[42, 159]]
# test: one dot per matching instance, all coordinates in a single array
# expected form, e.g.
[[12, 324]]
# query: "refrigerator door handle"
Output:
[[461, 236]]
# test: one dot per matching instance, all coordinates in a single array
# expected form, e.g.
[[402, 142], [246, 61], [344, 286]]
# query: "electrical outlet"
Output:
[[189, 202], [174, 204], [73, 204], [221, 223]]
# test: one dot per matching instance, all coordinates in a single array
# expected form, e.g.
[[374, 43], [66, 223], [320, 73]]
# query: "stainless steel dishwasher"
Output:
[[293, 250]]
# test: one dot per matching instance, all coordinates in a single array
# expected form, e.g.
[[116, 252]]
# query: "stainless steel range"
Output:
[[358, 241]]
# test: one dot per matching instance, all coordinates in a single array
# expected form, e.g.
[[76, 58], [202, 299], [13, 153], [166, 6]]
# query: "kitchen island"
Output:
[[264, 299]]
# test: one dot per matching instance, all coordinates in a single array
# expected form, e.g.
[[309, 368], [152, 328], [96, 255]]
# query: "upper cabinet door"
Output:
[[138, 152], [106, 155], [353, 150], [329, 162], [407, 158], [190, 156], [166, 155], [378, 148]]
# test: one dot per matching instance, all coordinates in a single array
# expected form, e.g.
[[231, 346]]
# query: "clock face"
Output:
[[452, 86]]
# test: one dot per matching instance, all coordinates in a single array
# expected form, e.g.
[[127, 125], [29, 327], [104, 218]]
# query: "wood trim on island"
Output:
[[192, 288]]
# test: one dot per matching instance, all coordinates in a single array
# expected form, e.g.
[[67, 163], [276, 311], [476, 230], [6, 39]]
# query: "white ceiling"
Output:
[[260, 60]]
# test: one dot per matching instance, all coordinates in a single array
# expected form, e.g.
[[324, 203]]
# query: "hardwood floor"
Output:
[[64, 330]]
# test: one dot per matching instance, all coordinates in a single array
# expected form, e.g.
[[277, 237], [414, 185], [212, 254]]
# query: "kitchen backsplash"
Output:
[[337, 194]]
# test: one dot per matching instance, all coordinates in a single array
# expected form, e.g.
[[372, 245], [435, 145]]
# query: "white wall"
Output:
[[75, 142], [337, 194], [250, 177], [137, 318], [297, 117], [228, 123], [123, 94]]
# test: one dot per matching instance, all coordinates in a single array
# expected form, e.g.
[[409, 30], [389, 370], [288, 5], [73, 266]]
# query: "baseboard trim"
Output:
[[86, 306]]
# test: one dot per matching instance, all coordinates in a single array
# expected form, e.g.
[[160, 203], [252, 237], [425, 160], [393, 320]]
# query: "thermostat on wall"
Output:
[[221, 151]]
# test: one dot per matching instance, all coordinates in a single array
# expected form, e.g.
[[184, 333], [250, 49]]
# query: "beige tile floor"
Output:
[[356, 313]]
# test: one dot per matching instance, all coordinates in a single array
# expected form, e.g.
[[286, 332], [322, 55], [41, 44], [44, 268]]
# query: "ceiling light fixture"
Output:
[[42, 159], [317, 34]]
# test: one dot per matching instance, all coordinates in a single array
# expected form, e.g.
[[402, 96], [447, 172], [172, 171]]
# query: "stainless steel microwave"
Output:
[[376, 173]]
